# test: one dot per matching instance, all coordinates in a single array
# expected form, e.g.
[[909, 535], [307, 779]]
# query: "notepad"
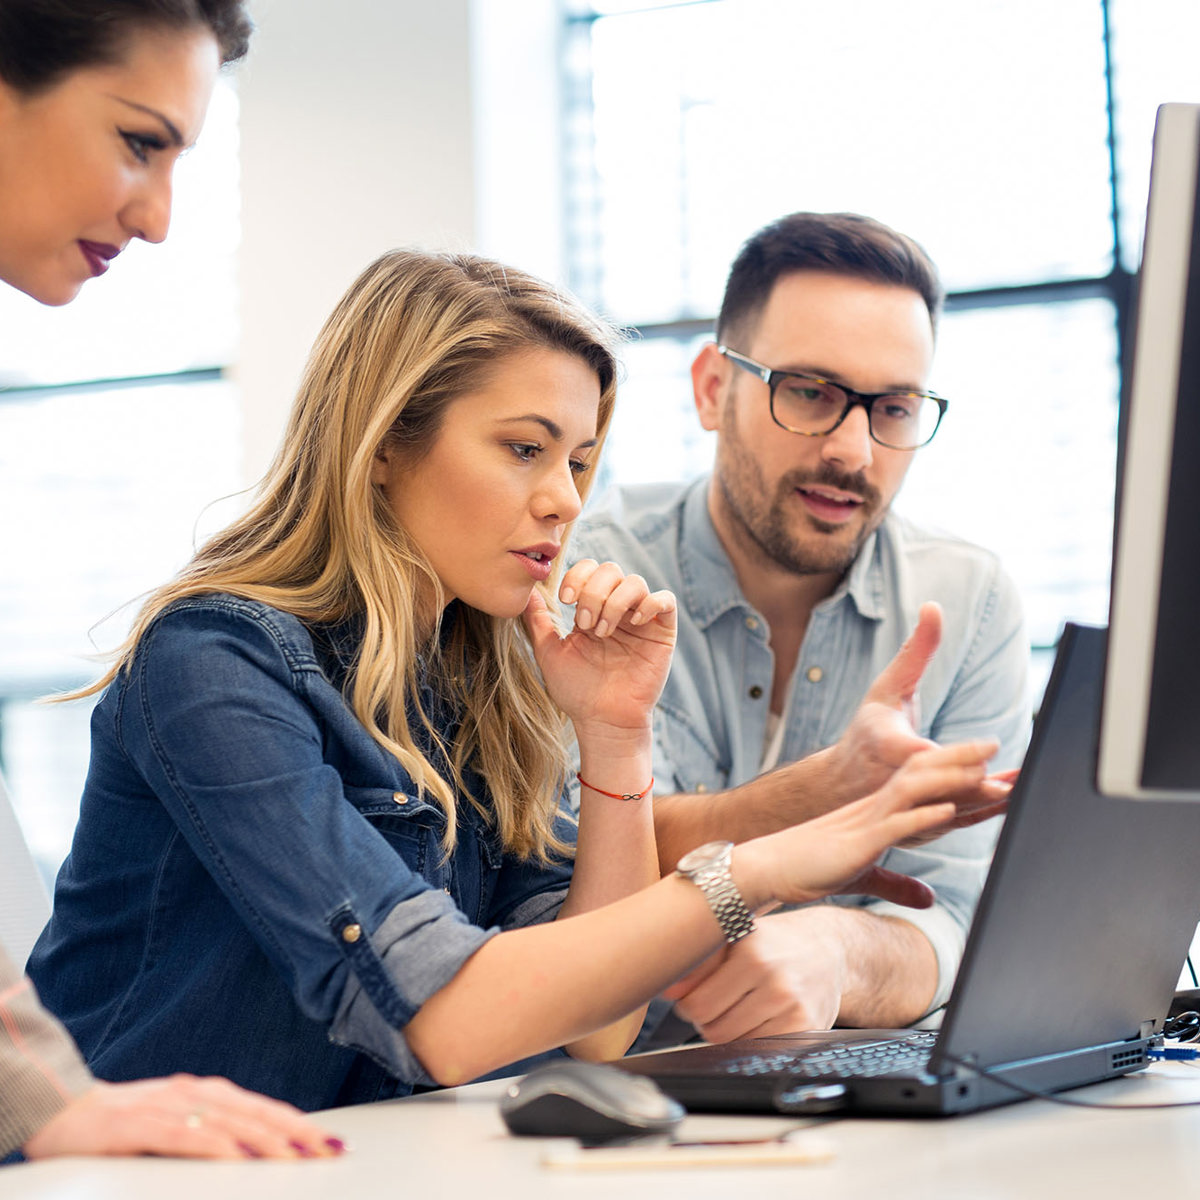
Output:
[[656, 1154]]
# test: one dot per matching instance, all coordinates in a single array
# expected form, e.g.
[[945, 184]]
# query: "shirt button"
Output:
[[815, 674], [701, 788], [351, 933], [751, 623], [400, 797], [756, 692]]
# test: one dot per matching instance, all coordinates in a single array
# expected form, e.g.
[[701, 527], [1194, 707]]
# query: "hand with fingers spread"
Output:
[[883, 732], [608, 672], [182, 1116], [836, 852], [883, 735]]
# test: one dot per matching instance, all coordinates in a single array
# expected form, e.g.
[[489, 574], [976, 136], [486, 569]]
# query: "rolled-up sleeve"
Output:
[[428, 928], [217, 721], [527, 893]]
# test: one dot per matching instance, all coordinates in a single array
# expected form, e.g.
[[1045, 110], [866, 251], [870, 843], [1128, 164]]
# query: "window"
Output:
[[1010, 137]]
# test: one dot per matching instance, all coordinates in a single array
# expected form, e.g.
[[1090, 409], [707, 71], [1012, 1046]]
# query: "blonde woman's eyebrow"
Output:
[[551, 427], [173, 134]]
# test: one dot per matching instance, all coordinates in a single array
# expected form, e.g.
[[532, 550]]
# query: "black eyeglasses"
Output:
[[812, 406]]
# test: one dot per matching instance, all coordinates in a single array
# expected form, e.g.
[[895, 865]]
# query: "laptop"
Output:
[[1069, 969]]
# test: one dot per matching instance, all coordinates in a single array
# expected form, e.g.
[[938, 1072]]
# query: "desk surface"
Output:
[[453, 1144]]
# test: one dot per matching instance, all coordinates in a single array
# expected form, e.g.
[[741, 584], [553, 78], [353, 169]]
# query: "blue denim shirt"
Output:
[[711, 721], [255, 888]]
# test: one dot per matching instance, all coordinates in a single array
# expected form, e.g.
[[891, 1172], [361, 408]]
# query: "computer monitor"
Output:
[[1150, 726]]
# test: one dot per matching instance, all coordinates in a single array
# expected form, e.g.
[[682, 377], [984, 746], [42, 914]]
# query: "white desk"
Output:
[[452, 1144]]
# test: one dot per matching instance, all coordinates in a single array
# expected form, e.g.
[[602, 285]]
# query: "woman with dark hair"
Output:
[[97, 100]]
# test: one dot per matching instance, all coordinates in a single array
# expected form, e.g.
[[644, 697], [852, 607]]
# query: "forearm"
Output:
[[615, 852], [542, 986], [531, 989], [615, 857], [889, 968], [794, 793]]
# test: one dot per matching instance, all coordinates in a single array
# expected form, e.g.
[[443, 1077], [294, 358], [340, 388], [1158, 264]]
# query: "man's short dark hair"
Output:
[[837, 243]]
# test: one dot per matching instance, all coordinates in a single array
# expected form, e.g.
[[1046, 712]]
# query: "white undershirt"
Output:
[[772, 742]]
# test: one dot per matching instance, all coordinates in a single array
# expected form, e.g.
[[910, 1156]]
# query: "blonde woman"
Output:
[[321, 848]]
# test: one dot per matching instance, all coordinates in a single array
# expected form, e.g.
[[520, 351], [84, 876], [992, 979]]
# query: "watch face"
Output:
[[709, 855]]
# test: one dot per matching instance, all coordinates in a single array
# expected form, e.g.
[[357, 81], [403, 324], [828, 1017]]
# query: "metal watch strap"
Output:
[[708, 868], [726, 902]]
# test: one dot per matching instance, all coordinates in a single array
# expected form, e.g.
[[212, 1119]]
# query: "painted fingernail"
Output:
[[248, 1151], [583, 618], [636, 619], [567, 595], [336, 1145], [301, 1149], [602, 629]]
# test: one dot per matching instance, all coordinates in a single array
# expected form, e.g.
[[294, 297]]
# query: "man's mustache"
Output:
[[844, 481]]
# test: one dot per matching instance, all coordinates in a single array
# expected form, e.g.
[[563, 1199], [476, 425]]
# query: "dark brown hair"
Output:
[[43, 40], [838, 243]]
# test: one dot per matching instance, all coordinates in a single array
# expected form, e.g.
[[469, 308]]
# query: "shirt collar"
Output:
[[710, 586]]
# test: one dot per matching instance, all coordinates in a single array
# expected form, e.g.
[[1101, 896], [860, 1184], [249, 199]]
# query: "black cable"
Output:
[[1054, 1098], [1182, 1028], [1191, 966]]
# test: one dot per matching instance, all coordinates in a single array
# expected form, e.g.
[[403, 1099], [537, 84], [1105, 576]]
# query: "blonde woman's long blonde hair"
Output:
[[414, 331]]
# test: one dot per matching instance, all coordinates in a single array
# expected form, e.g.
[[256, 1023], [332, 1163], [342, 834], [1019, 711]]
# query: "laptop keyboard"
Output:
[[837, 1060]]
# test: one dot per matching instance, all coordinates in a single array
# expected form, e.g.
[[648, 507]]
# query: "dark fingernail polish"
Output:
[[301, 1149], [248, 1151], [336, 1145]]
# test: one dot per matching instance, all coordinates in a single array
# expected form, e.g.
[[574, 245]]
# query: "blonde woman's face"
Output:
[[490, 502], [85, 167]]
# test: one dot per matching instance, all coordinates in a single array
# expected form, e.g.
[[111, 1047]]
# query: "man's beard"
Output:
[[779, 529]]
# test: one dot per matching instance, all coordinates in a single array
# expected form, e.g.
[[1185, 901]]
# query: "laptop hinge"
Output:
[[959, 1068]]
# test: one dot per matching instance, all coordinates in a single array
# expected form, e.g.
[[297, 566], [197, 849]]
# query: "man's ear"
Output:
[[710, 377]]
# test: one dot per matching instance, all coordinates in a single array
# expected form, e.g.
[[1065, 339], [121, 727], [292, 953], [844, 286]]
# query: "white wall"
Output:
[[357, 136], [518, 133]]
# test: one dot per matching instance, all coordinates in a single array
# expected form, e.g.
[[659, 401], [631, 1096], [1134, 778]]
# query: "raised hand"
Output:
[[883, 732], [607, 673]]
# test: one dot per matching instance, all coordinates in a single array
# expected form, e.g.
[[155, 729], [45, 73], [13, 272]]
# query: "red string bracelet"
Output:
[[617, 795]]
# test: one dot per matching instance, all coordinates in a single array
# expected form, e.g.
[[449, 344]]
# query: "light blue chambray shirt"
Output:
[[711, 722]]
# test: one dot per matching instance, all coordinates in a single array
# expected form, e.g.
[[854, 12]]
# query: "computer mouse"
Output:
[[590, 1101]]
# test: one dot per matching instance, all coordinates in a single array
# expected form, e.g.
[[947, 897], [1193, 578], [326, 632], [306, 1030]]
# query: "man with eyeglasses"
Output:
[[805, 671]]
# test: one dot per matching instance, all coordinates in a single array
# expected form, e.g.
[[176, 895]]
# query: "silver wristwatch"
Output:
[[708, 868]]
